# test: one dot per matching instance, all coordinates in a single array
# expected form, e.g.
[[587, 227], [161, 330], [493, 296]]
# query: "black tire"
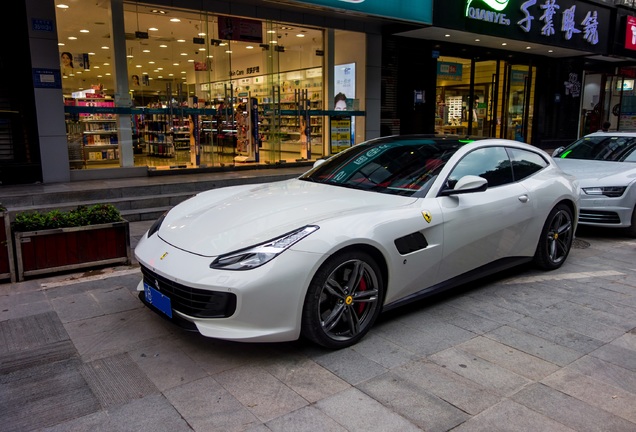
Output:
[[343, 300], [556, 239], [631, 231]]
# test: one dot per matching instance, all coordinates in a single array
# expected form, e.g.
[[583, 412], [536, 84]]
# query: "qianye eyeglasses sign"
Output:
[[419, 11], [566, 23]]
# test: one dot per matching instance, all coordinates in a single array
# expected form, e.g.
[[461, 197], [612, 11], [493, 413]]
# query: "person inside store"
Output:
[[606, 126], [340, 102], [135, 80], [67, 63]]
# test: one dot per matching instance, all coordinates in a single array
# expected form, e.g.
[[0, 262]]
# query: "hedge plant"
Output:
[[81, 216]]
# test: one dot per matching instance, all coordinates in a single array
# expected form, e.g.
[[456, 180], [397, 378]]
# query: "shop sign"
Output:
[[449, 71], [420, 11], [569, 23], [518, 77], [240, 29], [47, 78], [45, 25], [630, 33]]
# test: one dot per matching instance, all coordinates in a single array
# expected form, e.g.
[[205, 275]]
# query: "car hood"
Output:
[[232, 218], [599, 173]]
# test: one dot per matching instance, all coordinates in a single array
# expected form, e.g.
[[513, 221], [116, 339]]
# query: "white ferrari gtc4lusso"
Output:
[[376, 226]]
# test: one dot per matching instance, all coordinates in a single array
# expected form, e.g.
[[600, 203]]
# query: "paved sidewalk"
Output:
[[525, 351]]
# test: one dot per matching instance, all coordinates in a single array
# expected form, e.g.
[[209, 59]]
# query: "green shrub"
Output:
[[81, 216]]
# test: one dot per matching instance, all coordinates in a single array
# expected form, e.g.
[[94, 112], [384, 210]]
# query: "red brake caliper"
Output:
[[363, 287]]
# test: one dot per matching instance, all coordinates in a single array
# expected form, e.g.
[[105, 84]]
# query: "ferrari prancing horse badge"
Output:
[[427, 216]]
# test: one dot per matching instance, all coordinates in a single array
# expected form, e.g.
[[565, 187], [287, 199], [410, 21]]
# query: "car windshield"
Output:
[[602, 147], [393, 165]]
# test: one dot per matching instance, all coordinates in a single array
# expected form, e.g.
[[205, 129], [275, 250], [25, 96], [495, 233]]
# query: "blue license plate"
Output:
[[158, 300]]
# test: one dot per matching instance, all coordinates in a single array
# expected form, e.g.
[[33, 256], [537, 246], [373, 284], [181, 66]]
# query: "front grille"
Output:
[[599, 216], [192, 301]]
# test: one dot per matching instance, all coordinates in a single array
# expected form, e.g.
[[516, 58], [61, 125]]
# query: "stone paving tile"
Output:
[[15, 304], [486, 374], [614, 307], [349, 365], [383, 351], [627, 341], [44, 395], [165, 364], [593, 392], [466, 320], [305, 377], [264, 395], [534, 345], [486, 309], [307, 419], [617, 355], [152, 413], [605, 372], [458, 391], [570, 411], [558, 335], [368, 414], [112, 334], [509, 416], [443, 330], [31, 331], [526, 365], [90, 423], [414, 403], [206, 406], [116, 380], [419, 342]]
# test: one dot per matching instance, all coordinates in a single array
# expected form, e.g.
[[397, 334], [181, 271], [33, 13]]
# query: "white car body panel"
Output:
[[595, 173], [464, 232]]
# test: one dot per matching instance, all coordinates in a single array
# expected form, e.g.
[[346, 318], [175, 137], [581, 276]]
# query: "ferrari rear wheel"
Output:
[[343, 301], [556, 239]]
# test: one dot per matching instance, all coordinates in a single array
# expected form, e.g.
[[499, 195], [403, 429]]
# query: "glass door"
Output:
[[517, 102]]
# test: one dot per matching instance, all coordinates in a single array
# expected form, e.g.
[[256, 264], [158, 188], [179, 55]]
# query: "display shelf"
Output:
[[99, 139]]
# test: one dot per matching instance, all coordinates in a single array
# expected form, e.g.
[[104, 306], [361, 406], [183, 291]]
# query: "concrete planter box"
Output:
[[7, 267], [63, 249]]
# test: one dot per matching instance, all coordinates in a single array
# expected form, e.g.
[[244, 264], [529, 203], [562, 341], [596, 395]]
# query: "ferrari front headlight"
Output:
[[255, 256], [608, 191]]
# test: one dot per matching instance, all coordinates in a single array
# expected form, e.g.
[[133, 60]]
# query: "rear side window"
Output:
[[525, 163]]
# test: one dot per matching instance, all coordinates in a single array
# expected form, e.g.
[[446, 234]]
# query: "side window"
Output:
[[525, 163], [491, 163]]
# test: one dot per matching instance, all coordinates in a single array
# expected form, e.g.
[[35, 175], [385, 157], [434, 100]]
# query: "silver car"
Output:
[[604, 163]]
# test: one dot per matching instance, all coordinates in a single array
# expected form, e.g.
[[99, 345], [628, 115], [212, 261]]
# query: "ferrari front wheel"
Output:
[[556, 238], [343, 301]]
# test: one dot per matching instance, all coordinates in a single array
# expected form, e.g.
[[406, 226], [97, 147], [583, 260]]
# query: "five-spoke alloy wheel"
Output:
[[556, 238], [343, 300]]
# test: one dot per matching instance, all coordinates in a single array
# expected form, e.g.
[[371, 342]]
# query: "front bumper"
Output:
[[606, 212], [259, 305]]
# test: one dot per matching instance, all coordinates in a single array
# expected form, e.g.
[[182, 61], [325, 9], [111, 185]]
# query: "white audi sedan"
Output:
[[604, 164], [376, 226]]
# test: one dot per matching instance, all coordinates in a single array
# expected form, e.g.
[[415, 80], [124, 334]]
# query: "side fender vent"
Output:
[[411, 243]]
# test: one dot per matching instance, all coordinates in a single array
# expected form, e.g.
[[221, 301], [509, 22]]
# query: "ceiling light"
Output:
[[184, 54], [84, 31], [91, 53], [129, 56], [170, 74], [528, 47], [222, 44], [60, 44], [151, 62], [180, 40], [107, 73], [210, 56], [201, 49], [99, 76], [175, 20], [163, 46], [271, 31], [477, 40], [137, 66], [62, 6], [106, 64], [175, 64], [273, 42], [201, 34], [550, 51], [96, 67], [105, 47], [504, 44], [146, 51], [72, 38], [160, 68], [160, 76], [183, 72], [159, 11], [144, 73], [249, 47], [153, 29], [446, 35], [300, 35], [228, 51], [190, 61]]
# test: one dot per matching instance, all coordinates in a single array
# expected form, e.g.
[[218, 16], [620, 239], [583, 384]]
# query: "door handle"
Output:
[[524, 198]]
